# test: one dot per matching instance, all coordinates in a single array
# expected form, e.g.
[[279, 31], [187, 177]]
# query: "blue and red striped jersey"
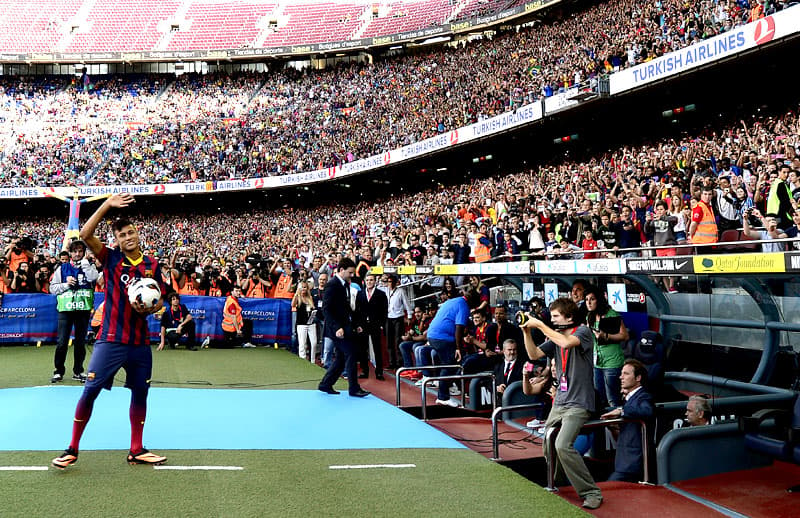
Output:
[[121, 323]]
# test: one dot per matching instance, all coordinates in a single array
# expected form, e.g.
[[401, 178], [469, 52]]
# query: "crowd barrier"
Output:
[[29, 318]]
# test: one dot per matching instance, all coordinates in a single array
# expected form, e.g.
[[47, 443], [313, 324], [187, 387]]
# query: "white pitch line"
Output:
[[370, 466], [201, 468], [23, 468]]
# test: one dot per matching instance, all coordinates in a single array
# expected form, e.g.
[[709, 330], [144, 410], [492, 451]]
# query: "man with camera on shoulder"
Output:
[[570, 343]]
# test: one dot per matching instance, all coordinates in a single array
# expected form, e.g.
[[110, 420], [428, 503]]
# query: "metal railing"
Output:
[[496, 415], [459, 377], [550, 452], [531, 256], [458, 367]]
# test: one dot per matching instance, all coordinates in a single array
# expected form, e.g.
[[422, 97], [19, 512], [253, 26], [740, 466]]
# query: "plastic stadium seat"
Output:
[[784, 445], [748, 247], [729, 235]]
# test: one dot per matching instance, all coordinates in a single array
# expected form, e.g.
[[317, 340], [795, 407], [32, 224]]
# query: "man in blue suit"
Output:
[[628, 463], [339, 328]]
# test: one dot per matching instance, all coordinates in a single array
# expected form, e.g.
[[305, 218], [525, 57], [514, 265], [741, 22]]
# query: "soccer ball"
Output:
[[144, 291]]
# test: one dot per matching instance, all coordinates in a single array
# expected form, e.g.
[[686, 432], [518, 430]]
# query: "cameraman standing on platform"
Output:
[[73, 286]]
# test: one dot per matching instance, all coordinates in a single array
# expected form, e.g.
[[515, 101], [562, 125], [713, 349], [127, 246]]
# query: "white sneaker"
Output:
[[455, 391], [448, 402], [248, 345], [206, 343], [534, 424]]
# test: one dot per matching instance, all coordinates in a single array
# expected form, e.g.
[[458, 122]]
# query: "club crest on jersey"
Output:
[[149, 274]]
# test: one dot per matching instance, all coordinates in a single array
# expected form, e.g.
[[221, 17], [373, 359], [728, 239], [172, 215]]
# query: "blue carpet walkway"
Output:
[[40, 418]]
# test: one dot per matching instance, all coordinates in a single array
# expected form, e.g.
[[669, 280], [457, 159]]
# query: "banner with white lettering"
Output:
[[28, 318], [760, 32]]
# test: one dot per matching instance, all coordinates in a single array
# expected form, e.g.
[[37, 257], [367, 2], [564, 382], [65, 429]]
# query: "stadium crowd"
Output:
[[602, 207], [112, 130]]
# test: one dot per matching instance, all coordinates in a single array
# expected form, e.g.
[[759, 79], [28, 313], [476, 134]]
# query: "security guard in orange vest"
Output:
[[236, 329], [482, 245], [703, 229]]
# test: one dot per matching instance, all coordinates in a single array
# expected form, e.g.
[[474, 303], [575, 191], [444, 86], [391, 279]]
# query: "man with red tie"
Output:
[[510, 369]]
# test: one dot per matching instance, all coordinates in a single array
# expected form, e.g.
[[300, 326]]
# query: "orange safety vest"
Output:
[[707, 227], [482, 253], [231, 315], [15, 259], [283, 288], [97, 316], [214, 291], [188, 289], [256, 290]]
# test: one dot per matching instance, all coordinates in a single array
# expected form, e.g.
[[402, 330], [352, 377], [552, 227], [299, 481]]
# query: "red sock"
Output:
[[137, 414], [82, 414]]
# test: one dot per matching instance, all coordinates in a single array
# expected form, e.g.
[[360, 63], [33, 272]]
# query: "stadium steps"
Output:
[[460, 6], [164, 90], [80, 20], [363, 23]]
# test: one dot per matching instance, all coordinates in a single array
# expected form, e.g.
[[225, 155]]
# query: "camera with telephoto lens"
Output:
[[27, 243], [521, 318]]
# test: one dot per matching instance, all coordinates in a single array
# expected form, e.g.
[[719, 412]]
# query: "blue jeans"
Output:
[[327, 351], [446, 351], [407, 352], [608, 385], [425, 355]]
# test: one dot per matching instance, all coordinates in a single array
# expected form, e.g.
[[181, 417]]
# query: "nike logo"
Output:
[[678, 265]]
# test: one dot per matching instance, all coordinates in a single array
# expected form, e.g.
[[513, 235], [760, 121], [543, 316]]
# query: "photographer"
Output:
[[5, 283], [43, 275], [182, 269], [280, 276], [255, 286], [18, 251], [73, 286], [24, 281], [214, 283]]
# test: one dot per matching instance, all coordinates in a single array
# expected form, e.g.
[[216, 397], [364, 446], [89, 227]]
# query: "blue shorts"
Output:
[[109, 357]]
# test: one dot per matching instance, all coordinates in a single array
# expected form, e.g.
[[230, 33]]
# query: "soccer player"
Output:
[[122, 341]]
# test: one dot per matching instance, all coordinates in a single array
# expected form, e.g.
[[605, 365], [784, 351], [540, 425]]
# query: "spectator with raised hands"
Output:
[[771, 231]]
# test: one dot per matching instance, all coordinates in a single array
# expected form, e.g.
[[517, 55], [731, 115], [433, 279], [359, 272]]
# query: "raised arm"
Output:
[[87, 231]]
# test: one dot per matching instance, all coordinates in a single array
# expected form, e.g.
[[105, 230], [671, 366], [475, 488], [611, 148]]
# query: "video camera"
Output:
[[27, 243]]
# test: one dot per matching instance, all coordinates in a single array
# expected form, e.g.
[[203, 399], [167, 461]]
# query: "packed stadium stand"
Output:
[[615, 205], [482, 80]]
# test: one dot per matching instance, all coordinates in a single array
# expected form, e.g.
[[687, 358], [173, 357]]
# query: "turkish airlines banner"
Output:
[[746, 37]]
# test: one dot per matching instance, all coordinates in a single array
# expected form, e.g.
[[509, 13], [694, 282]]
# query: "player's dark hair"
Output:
[[120, 223]]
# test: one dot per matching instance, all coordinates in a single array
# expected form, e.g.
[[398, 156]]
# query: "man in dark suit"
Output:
[[628, 464], [339, 328], [509, 370], [372, 308]]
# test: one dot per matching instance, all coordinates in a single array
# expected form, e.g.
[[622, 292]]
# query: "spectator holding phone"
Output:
[[609, 333]]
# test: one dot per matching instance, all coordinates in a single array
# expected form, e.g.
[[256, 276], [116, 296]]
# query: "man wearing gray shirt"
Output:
[[571, 346], [400, 313]]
